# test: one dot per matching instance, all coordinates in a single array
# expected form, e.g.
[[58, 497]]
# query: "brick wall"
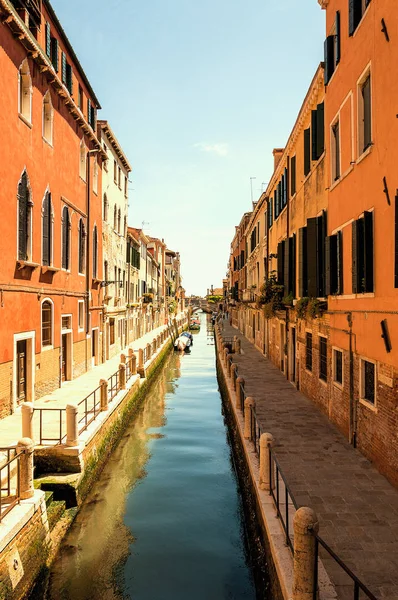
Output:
[[5, 389], [47, 372]]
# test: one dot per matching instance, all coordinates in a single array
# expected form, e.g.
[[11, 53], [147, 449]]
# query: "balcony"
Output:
[[249, 296]]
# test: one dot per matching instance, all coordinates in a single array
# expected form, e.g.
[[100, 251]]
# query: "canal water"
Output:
[[165, 520]]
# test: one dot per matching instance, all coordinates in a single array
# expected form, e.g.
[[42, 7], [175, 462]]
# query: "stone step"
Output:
[[55, 512], [49, 496]]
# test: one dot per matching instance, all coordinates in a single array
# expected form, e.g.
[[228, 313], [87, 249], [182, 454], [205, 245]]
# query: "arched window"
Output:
[[25, 91], [65, 238], [48, 115], [46, 323], [47, 230], [119, 219], [95, 252], [105, 211], [82, 247], [83, 159], [24, 219], [115, 218]]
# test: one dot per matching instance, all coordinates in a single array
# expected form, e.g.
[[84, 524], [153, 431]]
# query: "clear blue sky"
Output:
[[198, 94]]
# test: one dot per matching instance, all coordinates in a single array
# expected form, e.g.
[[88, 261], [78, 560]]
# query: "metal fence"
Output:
[[90, 406], [113, 386], [51, 419], [10, 480]]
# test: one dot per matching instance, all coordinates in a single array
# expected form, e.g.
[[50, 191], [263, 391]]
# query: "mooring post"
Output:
[[249, 404], [266, 442], [123, 358], [239, 395], [305, 524], [104, 394], [237, 345], [148, 351], [26, 447], [72, 427], [133, 363], [122, 376], [27, 411]]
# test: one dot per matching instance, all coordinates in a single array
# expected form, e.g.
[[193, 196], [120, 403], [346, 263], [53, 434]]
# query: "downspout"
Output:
[[88, 205], [287, 242], [353, 407]]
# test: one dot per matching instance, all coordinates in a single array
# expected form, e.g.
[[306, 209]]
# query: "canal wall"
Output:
[[277, 555]]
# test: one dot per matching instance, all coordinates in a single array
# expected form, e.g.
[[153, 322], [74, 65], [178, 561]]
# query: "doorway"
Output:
[[292, 361], [21, 371], [23, 377], [64, 356], [94, 346]]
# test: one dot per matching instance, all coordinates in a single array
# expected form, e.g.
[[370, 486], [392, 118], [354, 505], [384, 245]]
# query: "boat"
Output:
[[184, 342], [194, 323]]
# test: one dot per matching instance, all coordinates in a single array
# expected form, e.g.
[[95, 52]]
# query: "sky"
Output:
[[198, 93]]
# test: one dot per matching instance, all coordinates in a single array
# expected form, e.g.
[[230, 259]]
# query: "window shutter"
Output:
[[48, 40], [320, 129], [286, 266], [280, 262], [69, 78], [307, 154], [23, 218], [337, 38], [293, 175], [354, 257], [47, 230], [312, 248], [89, 112], [368, 251], [354, 15], [329, 57], [54, 53], [270, 216], [303, 273], [331, 283], [279, 196], [275, 205], [358, 275], [286, 185], [283, 191], [292, 265], [63, 66], [320, 257], [314, 135], [65, 239], [339, 257]]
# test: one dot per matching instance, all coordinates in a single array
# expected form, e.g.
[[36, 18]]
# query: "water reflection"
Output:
[[163, 521]]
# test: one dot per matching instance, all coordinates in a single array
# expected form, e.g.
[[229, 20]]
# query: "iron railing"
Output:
[[255, 430], [9, 481], [61, 425], [91, 407], [282, 495], [113, 386]]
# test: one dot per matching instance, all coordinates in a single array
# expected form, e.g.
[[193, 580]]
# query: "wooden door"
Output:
[[293, 333], [21, 371], [64, 356]]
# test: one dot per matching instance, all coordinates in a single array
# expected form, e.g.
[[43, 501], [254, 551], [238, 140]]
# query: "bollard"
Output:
[[104, 394], [249, 403], [27, 411], [228, 359], [141, 358], [154, 345], [123, 358], [133, 364], [239, 394], [237, 346], [266, 442], [122, 376], [226, 353], [72, 428], [159, 340], [234, 369], [26, 447], [148, 351], [305, 524]]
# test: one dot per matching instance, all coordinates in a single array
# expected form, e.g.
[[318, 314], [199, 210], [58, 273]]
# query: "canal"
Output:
[[165, 519]]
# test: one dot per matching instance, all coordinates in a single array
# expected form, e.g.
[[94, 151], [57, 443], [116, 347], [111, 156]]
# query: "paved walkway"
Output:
[[71, 391], [356, 506]]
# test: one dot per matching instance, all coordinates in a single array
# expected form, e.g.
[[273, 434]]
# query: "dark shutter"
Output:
[[95, 252], [314, 135], [279, 196], [320, 129], [320, 258], [358, 274], [23, 211], [269, 214], [312, 249], [339, 253], [48, 40], [283, 187], [46, 259], [367, 133], [280, 262], [65, 238], [63, 67], [331, 283], [293, 175], [54, 53], [286, 185], [69, 78], [354, 15], [368, 251], [89, 114], [286, 266], [303, 272], [337, 48], [292, 265], [329, 57], [276, 212], [307, 151]]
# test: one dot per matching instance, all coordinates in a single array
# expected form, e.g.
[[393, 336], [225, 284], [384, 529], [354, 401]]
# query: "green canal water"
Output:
[[165, 519]]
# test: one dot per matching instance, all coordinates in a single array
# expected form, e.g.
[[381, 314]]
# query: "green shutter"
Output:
[[307, 151], [54, 53], [368, 251], [48, 39], [63, 63], [293, 175], [337, 40]]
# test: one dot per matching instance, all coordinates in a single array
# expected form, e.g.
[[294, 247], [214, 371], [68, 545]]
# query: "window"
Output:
[[334, 264], [114, 171], [95, 252], [65, 238], [25, 91], [115, 218], [368, 381], [119, 178], [119, 220], [82, 247], [66, 74], [362, 254], [24, 219], [323, 358], [55, 53], [95, 176], [83, 161], [111, 331], [357, 9], [105, 210], [47, 230], [48, 115], [91, 114], [80, 97], [46, 323], [332, 49], [364, 114], [81, 314], [338, 366], [293, 175], [66, 322], [270, 215], [336, 151], [307, 151], [308, 351], [317, 132], [125, 186]]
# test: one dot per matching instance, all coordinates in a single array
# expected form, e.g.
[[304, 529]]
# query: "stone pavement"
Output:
[[357, 507], [71, 391]]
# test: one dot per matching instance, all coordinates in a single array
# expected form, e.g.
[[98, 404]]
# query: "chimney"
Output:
[[277, 152]]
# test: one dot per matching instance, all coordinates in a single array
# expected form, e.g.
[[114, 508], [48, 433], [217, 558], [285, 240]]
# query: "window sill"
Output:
[[25, 120], [81, 274], [65, 270], [338, 385], [323, 381], [80, 329], [368, 404], [82, 179], [365, 153], [340, 179], [46, 348], [308, 371], [26, 264], [49, 269]]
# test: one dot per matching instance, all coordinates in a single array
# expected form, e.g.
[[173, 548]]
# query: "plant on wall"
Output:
[[310, 307], [271, 296]]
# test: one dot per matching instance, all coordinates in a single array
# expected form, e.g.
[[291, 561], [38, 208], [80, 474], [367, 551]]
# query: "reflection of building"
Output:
[[115, 173], [50, 233]]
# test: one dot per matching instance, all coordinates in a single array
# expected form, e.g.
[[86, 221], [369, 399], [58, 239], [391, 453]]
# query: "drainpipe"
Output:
[[88, 206], [353, 407]]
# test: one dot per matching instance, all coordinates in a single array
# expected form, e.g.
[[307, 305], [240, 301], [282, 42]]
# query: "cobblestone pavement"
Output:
[[357, 507]]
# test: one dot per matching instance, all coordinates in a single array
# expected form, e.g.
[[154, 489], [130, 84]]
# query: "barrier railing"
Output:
[[10, 481], [283, 498], [255, 430], [51, 418], [91, 407], [113, 386]]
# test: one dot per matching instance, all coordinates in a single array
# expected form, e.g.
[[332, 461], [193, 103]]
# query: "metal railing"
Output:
[[61, 425], [91, 407], [255, 430], [283, 498], [113, 386], [10, 481], [129, 369]]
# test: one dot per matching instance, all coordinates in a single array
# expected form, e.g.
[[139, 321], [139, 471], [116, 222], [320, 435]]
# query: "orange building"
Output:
[[361, 125], [50, 173]]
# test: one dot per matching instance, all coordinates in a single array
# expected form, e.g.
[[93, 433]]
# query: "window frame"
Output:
[[47, 102], [25, 83], [307, 367], [363, 150], [362, 383], [323, 379], [80, 323], [335, 350], [49, 346]]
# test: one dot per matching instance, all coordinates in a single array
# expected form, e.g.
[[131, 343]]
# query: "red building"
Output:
[[50, 173]]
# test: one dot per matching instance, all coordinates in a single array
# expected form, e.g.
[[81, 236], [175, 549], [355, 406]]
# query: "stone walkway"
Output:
[[357, 507], [71, 391]]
